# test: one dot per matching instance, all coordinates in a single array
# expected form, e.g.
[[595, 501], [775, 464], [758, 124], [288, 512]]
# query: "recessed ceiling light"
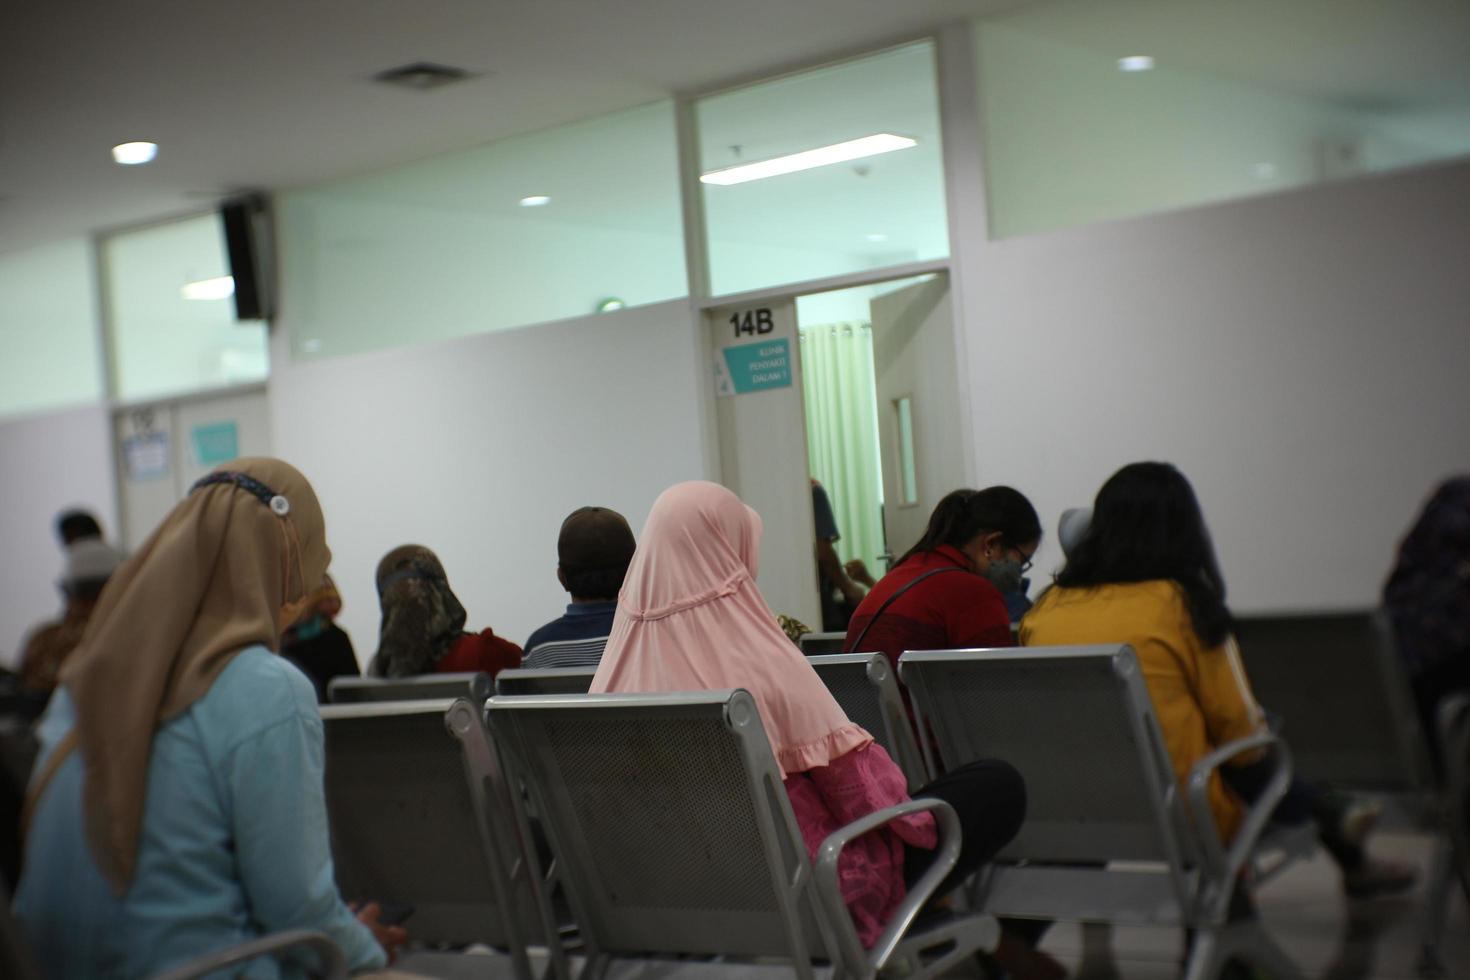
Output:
[[220, 287], [877, 236], [132, 154], [867, 146], [610, 304], [423, 75], [1136, 62], [535, 201]]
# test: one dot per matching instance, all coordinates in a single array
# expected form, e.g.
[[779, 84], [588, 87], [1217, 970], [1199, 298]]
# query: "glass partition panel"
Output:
[[172, 312], [1094, 111], [827, 172], [547, 226], [48, 325]]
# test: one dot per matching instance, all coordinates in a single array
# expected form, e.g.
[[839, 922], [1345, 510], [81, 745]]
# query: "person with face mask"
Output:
[[948, 591]]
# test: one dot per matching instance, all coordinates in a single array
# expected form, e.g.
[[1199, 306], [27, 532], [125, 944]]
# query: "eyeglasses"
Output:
[[1026, 559]]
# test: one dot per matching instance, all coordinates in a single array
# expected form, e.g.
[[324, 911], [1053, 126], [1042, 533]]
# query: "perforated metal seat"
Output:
[[673, 835], [864, 685], [1108, 837], [1342, 695], [558, 680], [421, 816], [815, 644], [359, 690]]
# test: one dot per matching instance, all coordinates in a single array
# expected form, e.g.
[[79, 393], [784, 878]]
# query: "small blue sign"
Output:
[[756, 367], [218, 442]]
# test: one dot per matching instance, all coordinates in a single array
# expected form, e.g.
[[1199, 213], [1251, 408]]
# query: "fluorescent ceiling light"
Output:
[[535, 201], [222, 287], [132, 154], [867, 146], [1136, 62], [877, 236]]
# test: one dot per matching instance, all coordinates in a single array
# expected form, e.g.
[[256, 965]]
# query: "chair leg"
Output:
[[1436, 906], [1251, 942], [1204, 961]]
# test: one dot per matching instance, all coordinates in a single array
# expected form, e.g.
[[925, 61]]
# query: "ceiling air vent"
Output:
[[422, 76]]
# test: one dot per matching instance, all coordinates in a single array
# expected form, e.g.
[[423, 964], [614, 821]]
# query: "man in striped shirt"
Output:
[[593, 551]]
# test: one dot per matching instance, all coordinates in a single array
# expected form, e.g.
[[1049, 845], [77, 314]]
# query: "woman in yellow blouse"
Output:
[[1144, 573]]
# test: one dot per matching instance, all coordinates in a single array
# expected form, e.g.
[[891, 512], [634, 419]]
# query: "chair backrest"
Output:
[[557, 680], [421, 816], [864, 686], [813, 644], [1078, 725], [1342, 697], [671, 828], [428, 687]]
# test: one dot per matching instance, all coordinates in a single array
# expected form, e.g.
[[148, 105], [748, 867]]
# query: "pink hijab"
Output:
[[690, 618]]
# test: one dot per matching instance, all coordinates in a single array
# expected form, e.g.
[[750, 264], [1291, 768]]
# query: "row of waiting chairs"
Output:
[[672, 833], [1191, 859]]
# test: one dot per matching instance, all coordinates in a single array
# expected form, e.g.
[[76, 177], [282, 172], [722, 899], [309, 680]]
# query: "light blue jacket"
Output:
[[234, 840]]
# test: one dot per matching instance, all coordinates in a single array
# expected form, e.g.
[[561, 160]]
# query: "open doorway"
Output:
[[880, 401], [856, 388]]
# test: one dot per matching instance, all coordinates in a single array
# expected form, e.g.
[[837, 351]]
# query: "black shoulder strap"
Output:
[[856, 645]]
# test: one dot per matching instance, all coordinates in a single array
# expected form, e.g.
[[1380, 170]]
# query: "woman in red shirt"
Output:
[[946, 592], [423, 622]]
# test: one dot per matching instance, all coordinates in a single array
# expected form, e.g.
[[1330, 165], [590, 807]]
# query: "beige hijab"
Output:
[[229, 567]]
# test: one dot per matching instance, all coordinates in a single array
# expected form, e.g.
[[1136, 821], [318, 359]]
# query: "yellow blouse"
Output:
[[1200, 695]]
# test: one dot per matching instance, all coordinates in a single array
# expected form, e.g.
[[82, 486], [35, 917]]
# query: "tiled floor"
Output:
[[1304, 909]]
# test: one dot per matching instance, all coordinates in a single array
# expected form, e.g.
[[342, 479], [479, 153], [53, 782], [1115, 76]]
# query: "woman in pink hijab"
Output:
[[690, 618]]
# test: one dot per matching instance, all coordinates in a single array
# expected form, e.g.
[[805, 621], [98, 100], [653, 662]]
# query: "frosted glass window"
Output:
[[48, 327], [833, 218], [548, 226], [168, 339], [1223, 101]]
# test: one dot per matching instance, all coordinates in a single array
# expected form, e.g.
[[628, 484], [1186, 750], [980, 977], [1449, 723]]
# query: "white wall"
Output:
[[48, 463], [1304, 358], [48, 328], [479, 447]]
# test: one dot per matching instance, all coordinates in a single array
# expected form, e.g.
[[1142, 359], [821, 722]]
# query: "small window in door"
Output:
[[908, 477]]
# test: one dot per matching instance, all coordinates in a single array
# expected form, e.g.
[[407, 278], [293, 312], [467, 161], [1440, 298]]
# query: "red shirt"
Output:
[[479, 651], [953, 610]]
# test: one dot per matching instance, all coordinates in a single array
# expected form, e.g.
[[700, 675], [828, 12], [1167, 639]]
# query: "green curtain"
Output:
[[841, 399]]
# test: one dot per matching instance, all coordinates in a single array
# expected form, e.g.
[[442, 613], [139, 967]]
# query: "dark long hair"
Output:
[[1147, 525], [964, 514]]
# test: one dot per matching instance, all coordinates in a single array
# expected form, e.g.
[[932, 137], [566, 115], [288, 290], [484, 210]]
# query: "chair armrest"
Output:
[[946, 854], [1229, 862], [334, 964]]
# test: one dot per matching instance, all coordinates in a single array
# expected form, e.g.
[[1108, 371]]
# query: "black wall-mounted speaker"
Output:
[[248, 239]]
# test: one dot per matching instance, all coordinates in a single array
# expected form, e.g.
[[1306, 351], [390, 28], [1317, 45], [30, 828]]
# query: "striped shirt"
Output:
[[574, 640]]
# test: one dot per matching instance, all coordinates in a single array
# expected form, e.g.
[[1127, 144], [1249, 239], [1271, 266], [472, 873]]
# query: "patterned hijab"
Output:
[[227, 569], [421, 616], [1428, 593]]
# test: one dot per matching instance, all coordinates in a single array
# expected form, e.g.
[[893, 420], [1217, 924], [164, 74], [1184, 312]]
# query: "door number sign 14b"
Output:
[[752, 322]]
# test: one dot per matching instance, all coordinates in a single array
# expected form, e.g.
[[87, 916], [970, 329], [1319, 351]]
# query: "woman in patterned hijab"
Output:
[[423, 622]]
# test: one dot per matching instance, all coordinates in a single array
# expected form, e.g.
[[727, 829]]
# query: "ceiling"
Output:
[[276, 93]]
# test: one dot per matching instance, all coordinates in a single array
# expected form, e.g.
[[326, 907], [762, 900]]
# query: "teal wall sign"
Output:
[[759, 366], [217, 442]]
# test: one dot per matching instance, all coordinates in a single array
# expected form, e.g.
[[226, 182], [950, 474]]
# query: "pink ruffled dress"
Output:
[[870, 870]]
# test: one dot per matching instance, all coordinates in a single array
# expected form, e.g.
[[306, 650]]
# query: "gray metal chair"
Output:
[[1109, 837], [1452, 851], [421, 815], [674, 835], [428, 687], [864, 685], [813, 644], [555, 680], [1343, 698]]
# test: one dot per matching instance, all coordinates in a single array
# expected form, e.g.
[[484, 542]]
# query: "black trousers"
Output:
[[989, 797], [1302, 802]]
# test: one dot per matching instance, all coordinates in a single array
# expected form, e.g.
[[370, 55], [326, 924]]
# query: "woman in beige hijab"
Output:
[[177, 806]]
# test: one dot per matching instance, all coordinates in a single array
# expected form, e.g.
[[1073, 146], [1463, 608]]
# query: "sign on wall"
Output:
[[753, 350], [215, 443]]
